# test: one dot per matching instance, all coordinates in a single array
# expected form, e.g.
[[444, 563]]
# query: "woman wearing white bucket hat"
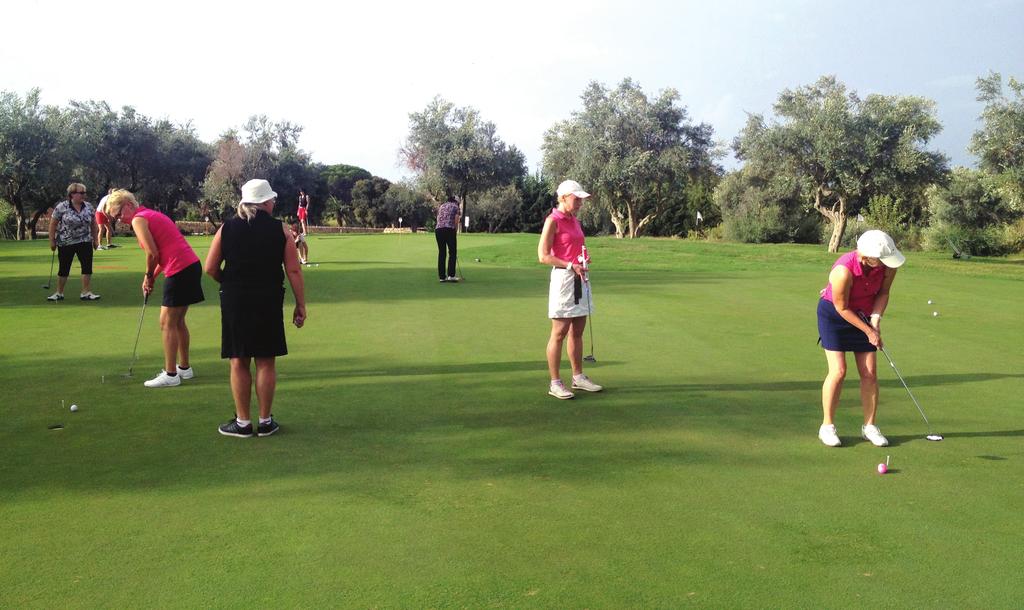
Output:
[[569, 301], [858, 289], [253, 248]]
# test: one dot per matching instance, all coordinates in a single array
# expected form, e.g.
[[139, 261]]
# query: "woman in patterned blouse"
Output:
[[445, 234], [73, 232]]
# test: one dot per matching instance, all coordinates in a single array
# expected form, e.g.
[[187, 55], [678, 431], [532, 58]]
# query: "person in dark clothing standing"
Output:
[[445, 233], [250, 256]]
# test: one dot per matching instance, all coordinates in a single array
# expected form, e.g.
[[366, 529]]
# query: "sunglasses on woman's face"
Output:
[[77, 192]]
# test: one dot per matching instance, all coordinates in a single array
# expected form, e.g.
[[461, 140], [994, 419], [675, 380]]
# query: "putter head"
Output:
[[934, 437], [589, 358]]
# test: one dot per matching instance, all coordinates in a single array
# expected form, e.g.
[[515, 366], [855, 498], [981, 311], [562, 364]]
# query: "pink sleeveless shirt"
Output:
[[568, 243], [867, 282], [175, 253]]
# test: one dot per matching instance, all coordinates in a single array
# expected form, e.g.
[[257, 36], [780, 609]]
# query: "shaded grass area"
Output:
[[421, 463]]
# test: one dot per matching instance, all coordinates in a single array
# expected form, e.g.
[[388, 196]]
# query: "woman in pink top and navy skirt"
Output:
[[561, 246], [167, 252], [849, 320]]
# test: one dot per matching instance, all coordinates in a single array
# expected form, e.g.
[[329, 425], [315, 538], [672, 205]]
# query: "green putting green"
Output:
[[421, 463]]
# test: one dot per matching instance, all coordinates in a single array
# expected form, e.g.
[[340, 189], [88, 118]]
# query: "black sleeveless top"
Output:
[[253, 253]]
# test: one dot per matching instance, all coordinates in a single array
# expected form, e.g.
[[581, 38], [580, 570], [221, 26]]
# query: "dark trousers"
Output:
[[445, 239], [66, 255]]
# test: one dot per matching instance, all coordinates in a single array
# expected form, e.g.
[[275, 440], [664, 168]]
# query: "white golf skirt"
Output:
[[561, 302]]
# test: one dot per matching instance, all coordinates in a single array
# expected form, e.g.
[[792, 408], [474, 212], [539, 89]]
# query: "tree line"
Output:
[[824, 158]]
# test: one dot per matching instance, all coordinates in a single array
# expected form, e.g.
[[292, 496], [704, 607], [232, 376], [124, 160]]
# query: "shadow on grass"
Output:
[[795, 386], [895, 440]]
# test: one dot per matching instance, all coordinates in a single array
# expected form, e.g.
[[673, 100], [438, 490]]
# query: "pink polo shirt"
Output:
[[568, 243], [867, 282], [175, 253]]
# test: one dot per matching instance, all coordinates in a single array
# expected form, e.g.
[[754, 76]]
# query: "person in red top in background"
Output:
[[303, 209], [858, 289], [561, 246], [167, 252]]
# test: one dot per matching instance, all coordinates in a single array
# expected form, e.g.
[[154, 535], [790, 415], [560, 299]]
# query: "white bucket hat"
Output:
[[257, 191], [573, 187], [878, 244]]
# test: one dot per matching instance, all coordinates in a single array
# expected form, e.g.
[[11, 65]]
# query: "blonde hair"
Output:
[[248, 210], [116, 200], [75, 186]]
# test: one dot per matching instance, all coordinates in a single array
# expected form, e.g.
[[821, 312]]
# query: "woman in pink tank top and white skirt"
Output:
[[569, 300]]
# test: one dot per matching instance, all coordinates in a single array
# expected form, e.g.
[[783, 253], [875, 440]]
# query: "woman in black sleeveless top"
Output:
[[250, 256]]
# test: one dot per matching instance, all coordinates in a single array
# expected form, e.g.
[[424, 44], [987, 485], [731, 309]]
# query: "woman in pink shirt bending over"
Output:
[[167, 252], [569, 300], [849, 320]]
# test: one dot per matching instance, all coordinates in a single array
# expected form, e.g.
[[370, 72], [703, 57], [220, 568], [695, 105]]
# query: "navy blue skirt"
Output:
[[838, 335]]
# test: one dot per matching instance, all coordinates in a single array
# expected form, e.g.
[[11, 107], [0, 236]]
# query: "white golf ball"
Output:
[[930, 301], [74, 408], [935, 313]]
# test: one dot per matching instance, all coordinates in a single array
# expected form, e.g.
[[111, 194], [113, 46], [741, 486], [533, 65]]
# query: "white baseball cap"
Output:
[[257, 191], [878, 244], [573, 187]]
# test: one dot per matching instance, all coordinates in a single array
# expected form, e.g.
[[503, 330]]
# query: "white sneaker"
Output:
[[451, 278], [55, 297], [870, 432], [163, 380], [89, 296], [828, 436], [558, 390], [185, 374], [584, 383]]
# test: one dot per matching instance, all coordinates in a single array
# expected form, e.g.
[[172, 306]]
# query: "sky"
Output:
[[351, 74]]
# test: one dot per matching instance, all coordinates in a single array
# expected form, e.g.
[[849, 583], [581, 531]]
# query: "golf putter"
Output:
[[50, 280], [931, 433], [585, 260], [135, 350]]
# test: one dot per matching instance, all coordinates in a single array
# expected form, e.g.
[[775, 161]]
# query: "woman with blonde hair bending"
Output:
[[167, 252], [249, 257]]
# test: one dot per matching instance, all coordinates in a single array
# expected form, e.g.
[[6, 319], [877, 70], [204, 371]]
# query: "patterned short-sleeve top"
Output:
[[73, 227], [446, 215]]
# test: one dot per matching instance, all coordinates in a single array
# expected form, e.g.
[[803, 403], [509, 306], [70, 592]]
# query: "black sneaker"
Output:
[[268, 428], [233, 429]]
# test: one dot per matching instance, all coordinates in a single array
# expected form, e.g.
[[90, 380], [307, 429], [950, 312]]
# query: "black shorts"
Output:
[[184, 287], [66, 255]]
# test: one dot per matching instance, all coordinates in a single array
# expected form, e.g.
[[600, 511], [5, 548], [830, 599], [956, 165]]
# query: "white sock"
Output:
[[267, 420], [556, 382], [243, 422], [578, 377]]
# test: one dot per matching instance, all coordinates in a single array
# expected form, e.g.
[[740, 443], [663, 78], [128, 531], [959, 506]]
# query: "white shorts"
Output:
[[561, 302]]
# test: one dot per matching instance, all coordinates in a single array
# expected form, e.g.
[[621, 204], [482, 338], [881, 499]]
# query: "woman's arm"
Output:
[[842, 281], [294, 271], [882, 298], [53, 230], [141, 227], [95, 230], [214, 258]]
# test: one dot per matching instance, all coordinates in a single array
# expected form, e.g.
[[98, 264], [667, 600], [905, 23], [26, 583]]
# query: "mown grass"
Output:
[[422, 464]]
